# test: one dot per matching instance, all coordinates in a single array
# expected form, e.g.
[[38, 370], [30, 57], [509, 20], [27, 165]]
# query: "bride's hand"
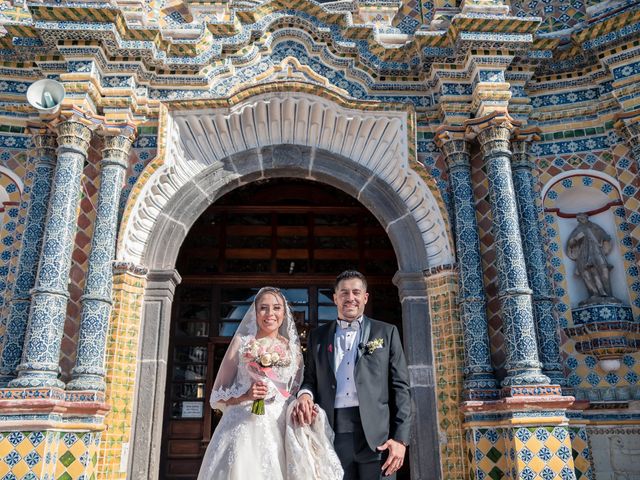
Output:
[[304, 411], [257, 391]]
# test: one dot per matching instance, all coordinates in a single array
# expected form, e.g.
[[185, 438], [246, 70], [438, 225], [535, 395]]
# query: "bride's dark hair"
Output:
[[273, 290]]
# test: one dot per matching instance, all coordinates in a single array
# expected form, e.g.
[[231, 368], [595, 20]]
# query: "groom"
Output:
[[356, 371]]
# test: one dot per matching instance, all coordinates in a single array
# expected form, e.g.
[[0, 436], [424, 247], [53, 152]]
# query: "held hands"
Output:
[[257, 391], [395, 458], [304, 411]]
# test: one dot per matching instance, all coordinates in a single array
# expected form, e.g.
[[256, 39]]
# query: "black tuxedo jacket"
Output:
[[382, 380]]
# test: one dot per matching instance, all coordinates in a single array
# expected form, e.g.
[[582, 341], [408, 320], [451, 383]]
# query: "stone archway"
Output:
[[363, 153]]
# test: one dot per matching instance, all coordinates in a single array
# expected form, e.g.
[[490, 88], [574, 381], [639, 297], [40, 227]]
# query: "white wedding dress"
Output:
[[246, 446]]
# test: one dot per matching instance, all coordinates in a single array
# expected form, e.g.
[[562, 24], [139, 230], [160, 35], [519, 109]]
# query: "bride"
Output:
[[255, 388]]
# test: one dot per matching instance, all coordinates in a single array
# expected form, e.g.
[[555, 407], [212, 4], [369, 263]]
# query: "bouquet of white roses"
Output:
[[261, 355]]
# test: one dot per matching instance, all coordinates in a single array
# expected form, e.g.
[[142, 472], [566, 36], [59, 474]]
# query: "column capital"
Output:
[[45, 140], [44, 143], [475, 126], [410, 284], [117, 148], [160, 279], [521, 142], [454, 145], [493, 133], [74, 136]]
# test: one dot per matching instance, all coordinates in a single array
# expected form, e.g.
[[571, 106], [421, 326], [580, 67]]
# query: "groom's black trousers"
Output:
[[358, 460]]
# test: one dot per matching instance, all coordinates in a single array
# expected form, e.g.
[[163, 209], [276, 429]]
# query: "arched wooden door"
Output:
[[293, 234]]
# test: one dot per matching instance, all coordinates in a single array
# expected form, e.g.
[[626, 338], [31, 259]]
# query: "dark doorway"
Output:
[[293, 234]]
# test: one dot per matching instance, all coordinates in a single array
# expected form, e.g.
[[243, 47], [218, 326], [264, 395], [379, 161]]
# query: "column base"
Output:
[[480, 387], [525, 377], [87, 382], [46, 436], [480, 394], [526, 437], [531, 391], [36, 381]]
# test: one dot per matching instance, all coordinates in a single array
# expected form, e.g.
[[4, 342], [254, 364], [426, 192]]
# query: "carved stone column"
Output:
[[532, 243], [417, 341], [41, 353], [89, 371], [20, 297], [522, 364], [479, 380], [152, 374]]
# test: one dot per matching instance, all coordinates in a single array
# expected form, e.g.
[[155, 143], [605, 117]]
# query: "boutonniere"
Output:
[[372, 345], [330, 348]]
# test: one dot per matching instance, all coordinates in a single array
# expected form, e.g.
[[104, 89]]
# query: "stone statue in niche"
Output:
[[588, 246]]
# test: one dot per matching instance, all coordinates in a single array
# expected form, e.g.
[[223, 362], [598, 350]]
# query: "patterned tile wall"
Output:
[[486, 453], [540, 453], [144, 150], [449, 360], [429, 155], [413, 14], [48, 455], [77, 455], [582, 371], [9, 230], [580, 452], [121, 360], [14, 160], [28, 455], [557, 14]]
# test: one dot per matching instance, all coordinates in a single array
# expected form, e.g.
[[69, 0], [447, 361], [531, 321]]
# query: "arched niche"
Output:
[[599, 196]]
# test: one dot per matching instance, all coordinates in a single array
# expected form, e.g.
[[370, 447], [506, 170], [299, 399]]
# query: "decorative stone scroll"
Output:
[[197, 141]]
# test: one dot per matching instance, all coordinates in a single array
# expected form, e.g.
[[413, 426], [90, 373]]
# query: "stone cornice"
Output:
[[245, 33]]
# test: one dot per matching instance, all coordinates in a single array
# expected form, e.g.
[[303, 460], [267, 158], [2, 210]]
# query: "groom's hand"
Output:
[[396, 456], [303, 412]]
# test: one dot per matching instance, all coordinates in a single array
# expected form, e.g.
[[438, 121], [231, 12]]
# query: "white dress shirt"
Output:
[[346, 341]]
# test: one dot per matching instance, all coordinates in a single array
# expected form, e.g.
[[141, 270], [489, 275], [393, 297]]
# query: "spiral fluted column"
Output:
[[26, 269], [522, 363], [41, 353], [479, 379], [89, 371]]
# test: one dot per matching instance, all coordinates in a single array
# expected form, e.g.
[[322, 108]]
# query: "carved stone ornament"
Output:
[[588, 245]]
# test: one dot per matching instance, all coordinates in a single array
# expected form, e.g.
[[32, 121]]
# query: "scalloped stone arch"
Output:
[[362, 148], [209, 148]]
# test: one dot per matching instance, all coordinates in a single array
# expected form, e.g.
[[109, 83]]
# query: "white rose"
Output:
[[275, 357], [266, 360]]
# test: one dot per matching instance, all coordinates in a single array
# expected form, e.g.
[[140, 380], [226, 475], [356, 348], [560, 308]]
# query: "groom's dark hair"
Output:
[[347, 275]]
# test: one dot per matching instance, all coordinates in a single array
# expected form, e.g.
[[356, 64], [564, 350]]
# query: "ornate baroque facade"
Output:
[[475, 131]]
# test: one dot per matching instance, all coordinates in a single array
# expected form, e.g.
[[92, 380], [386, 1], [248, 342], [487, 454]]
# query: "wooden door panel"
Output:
[[186, 429], [184, 469], [184, 448]]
